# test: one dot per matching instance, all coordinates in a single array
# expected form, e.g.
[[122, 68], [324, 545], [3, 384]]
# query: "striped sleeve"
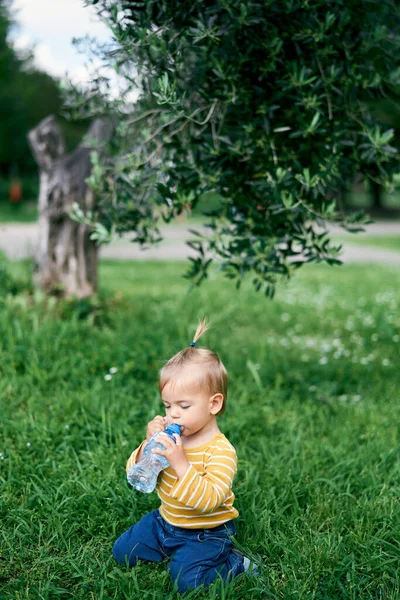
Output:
[[206, 491], [132, 458]]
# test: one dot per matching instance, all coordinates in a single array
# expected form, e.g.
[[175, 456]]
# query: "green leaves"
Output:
[[377, 148], [205, 31], [166, 93], [306, 180], [301, 76], [314, 123], [262, 103], [100, 234]]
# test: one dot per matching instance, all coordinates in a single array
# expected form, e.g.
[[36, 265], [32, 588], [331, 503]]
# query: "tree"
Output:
[[265, 103], [66, 259], [26, 96]]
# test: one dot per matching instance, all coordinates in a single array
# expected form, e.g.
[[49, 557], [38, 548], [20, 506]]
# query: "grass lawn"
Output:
[[313, 412], [362, 199], [26, 212], [384, 242]]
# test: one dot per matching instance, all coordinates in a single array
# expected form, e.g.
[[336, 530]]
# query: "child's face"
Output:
[[187, 405]]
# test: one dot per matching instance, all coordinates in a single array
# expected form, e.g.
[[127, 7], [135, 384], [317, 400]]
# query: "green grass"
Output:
[[362, 199], [384, 242], [313, 412], [25, 212]]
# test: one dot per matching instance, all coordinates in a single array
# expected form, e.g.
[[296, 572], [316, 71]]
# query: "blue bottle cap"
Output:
[[174, 428]]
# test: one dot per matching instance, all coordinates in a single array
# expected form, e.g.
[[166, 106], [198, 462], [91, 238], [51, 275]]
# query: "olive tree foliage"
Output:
[[265, 103]]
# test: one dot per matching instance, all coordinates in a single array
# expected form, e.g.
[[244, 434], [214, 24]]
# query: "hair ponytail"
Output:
[[202, 327]]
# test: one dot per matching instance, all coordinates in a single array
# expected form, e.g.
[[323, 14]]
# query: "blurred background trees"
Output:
[[27, 95]]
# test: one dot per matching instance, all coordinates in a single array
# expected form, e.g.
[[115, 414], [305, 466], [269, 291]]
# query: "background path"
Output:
[[19, 240]]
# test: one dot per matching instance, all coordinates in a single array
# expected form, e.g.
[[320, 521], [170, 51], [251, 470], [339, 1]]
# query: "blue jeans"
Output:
[[197, 556]]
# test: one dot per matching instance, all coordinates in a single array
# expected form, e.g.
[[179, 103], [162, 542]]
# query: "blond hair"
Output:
[[214, 377]]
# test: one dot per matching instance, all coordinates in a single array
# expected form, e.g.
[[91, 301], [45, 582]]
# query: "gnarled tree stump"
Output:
[[66, 259]]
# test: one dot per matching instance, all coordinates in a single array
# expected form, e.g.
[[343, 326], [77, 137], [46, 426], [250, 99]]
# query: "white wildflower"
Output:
[[28, 444], [356, 338], [312, 388], [369, 320], [356, 398], [1, 456], [107, 377], [343, 398], [113, 370], [66, 427], [323, 360], [386, 362]]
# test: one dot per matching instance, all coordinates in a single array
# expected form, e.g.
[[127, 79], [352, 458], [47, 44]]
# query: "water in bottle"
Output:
[[143, 475]]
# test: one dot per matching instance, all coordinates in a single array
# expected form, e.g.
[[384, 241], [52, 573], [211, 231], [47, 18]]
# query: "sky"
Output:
[[50, 26]]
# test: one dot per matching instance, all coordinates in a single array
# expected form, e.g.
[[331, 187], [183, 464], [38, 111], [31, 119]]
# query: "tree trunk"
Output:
[[376, 193], [66, 259]]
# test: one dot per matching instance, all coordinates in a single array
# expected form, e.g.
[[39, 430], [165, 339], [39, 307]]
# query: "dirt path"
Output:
[[19, 241]]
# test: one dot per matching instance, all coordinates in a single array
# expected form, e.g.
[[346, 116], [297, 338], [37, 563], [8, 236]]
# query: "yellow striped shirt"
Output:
[[203, 497]]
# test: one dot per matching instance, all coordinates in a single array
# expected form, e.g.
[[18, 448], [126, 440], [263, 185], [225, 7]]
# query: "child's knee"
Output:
[[184, 578], [118, 554], [189, 578], [121, 556], [184, 583]]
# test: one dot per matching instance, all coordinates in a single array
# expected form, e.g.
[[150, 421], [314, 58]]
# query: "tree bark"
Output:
[[66, 259], [376, 194]]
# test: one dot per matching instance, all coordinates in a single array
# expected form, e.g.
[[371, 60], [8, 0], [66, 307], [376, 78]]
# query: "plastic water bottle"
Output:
[[143, 475]]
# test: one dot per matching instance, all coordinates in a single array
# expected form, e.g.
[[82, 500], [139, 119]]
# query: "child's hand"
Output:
[[156, 425], [174, 454]]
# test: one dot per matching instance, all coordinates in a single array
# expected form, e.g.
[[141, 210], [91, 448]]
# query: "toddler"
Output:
[[195, 522]]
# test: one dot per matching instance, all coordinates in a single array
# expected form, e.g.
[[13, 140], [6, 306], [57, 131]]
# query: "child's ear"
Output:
[[216, 402]]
